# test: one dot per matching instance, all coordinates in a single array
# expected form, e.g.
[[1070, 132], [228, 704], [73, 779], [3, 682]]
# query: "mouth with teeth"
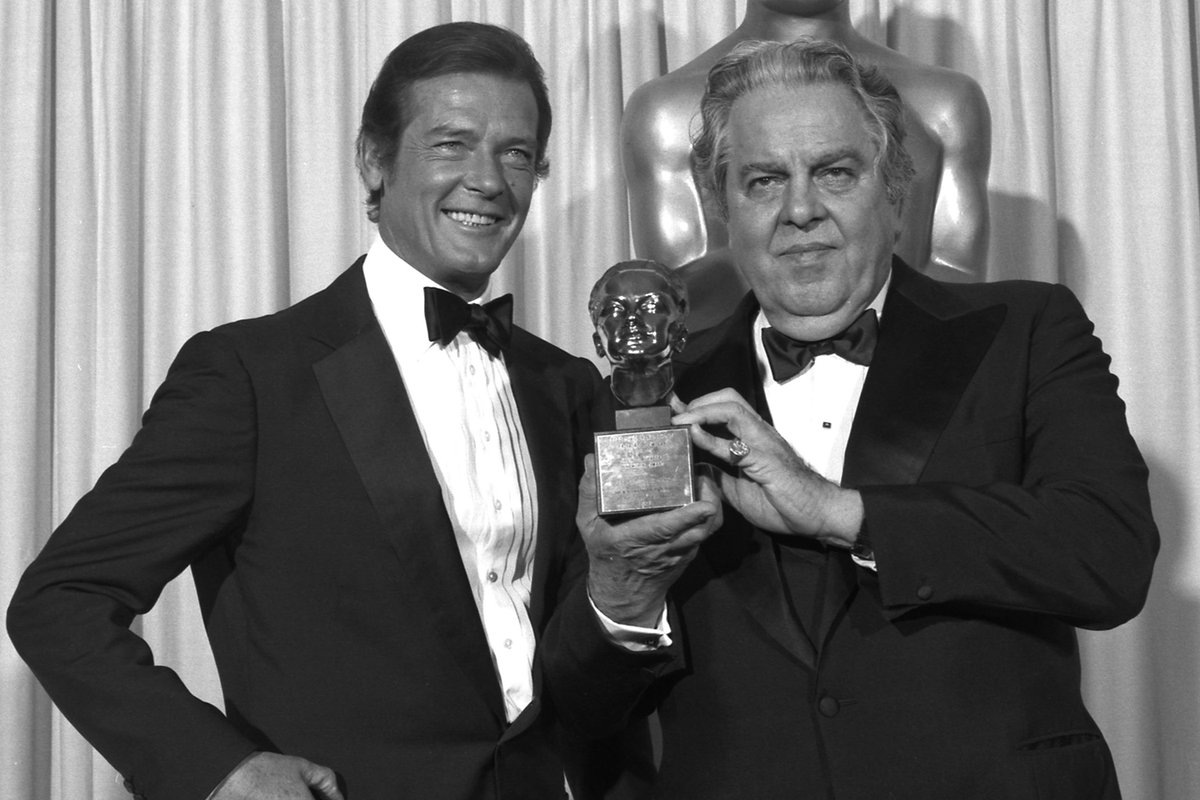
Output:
[[472, 220]]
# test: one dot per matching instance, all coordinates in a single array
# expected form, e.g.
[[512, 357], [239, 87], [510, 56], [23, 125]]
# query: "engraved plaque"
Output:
[[643, 469]]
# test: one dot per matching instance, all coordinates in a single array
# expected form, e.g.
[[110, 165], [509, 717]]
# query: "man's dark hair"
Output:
[[452, 48]]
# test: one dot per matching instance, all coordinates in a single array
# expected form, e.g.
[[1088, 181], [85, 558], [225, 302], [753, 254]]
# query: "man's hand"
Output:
[[774, 489], [270, 776], [632, 563]]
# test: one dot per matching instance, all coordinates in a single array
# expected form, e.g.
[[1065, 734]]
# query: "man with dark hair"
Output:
[[374, 490], [464, 48], [927, 488]]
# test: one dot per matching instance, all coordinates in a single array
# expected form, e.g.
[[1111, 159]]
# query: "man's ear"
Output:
[[372, 172]]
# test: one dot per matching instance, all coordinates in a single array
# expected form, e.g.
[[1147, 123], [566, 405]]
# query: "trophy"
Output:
[[638, 310]]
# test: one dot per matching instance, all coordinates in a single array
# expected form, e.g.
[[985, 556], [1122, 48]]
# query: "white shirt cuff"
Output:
[[635, 638], [864, 562]]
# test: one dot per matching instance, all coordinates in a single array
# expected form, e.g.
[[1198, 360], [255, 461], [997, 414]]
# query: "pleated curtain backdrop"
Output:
[[165, 167]]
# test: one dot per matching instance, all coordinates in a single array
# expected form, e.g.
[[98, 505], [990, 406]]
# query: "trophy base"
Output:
[[645, 465]]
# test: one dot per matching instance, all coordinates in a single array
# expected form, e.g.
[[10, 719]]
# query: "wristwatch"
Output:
[[862, 550]]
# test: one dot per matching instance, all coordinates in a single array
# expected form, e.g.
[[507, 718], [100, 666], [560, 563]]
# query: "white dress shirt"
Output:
[[464, 405], [814, 410]]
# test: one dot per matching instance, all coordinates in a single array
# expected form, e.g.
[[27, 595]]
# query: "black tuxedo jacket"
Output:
[[281, 461], [1007, 504]]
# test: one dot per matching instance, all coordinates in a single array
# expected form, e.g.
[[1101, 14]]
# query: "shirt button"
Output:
[[471, 369], [487, 436], [492, 576], [497, 504], [924, 592], [508, 643], [829, 706]]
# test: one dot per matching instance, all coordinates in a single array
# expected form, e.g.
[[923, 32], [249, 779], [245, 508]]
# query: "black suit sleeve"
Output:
[[1040, 507], [182, 486]]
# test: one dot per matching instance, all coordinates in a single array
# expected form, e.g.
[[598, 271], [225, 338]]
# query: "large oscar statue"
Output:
[[638, 310], [944, 219]]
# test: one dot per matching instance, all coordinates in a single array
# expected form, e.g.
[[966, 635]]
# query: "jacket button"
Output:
[[829, 706], [924, 592]]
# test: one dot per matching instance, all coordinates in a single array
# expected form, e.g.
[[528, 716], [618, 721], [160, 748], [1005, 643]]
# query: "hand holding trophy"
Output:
[[638, 309]]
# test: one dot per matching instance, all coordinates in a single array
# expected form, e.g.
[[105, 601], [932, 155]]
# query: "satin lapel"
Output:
[[930, 346], [721, 357], [368, 403], [741, 557], [929, 349]]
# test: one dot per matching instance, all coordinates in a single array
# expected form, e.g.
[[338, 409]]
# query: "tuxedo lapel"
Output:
[[370, 407], [930, 346], [721, 357], [741, 557]]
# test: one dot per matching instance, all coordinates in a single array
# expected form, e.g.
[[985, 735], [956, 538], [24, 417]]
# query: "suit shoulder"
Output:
[[1016, 288], [1031, 292], [1022, 299], [989, 293], [550, 354], [1028, 304], [343, 304], [703, 341], [733, 327]]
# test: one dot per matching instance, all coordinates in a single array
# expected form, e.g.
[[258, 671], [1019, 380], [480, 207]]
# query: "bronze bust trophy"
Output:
[[638, 310]]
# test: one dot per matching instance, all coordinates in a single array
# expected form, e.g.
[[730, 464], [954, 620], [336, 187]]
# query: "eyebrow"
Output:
[[822, 160], [451, 129], [762, 166], [840, 154], [458, 131]]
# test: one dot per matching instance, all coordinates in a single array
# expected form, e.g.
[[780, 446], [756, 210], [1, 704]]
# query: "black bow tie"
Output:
[[789, 357], [490, 324]]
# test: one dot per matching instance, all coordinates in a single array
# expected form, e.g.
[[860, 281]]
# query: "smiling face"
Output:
[[458, 192], [810, 225]]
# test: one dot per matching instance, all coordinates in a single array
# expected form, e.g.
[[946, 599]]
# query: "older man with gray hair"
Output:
[[926, 489]]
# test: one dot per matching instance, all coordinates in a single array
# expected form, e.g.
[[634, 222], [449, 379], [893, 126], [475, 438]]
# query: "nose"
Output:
[[802, 204], [485, 175], [634, 328]]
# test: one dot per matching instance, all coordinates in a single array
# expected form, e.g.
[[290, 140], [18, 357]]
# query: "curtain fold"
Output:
[[166, 167], [26, 317]]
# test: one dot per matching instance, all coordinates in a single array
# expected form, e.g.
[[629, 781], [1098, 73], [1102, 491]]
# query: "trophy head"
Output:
[[638, 310]]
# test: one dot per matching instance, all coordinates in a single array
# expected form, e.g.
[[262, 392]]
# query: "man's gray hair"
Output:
[[756, 64]]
